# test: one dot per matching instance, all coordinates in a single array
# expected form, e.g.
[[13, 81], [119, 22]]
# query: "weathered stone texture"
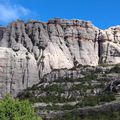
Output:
[[30, 50]]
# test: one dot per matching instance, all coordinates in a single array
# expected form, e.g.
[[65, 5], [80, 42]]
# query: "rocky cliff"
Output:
[[31, 50]]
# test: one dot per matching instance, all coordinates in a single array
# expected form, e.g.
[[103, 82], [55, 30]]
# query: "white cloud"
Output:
[[23, 10], [10, 12]]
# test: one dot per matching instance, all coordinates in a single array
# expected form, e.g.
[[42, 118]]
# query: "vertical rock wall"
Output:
[[30, 50]]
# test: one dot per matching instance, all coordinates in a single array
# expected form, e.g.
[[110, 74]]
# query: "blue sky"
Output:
[[103, 13]]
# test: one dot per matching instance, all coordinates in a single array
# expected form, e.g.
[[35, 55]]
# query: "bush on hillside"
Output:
[[13, 109]]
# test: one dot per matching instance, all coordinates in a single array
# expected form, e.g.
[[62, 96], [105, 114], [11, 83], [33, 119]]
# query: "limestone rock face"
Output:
[[109, 43], [17, 71], [35, 48]]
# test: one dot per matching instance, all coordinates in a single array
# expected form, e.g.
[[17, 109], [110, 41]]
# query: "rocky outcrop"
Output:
[[109, 45], [36, 48], [56, 44], [18, 71]]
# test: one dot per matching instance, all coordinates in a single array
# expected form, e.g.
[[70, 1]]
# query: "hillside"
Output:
[[62, 66]]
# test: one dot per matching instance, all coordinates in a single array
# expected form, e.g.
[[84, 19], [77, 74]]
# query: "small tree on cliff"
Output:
[[13, 109]]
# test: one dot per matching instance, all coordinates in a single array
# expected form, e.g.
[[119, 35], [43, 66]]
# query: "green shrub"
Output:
[[88, 101], [53, 87], [107, 97], [116, 69], [13, 109]]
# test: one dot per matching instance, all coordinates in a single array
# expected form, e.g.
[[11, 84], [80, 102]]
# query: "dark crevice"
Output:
[[23, 78], [39, 74], [16, 37], [75, 62], [106, 53], [96, 39], [26, 29], [79, 43], [27, 67], [2, 30], [39, 30], [99, 48], [48, 32], [99, 51], [114, 34]]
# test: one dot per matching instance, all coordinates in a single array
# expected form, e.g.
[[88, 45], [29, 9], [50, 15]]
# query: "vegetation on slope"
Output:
[[68, 94], [13, 109]]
